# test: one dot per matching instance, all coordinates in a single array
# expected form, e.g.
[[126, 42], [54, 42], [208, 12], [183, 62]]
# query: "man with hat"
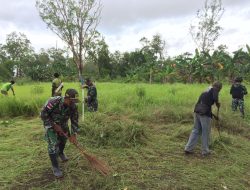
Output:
[[55, 115], [238, 91], [202, 119]]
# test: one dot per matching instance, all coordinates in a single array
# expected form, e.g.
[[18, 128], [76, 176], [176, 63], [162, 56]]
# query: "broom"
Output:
[[94, 162], [99, 165]]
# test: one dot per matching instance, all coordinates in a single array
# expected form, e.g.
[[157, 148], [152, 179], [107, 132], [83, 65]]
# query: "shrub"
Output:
[[140, 92], [116, 134]]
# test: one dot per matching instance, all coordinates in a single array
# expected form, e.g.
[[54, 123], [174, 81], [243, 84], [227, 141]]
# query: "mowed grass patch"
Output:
[[158, 164]]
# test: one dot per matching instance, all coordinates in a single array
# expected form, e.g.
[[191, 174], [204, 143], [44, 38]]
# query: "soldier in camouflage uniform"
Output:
[[55, 115], [238, 91], [91, 100]]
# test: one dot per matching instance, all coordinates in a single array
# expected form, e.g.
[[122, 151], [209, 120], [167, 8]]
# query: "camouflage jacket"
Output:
[[54, 111], [92, 93]]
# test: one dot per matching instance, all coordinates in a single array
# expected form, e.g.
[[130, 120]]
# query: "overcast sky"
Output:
[[125, 22]]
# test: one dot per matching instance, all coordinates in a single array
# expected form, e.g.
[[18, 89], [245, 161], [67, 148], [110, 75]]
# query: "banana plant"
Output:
[[241, 61]]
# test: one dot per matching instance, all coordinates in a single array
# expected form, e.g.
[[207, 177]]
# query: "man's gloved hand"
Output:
[[73, 139]]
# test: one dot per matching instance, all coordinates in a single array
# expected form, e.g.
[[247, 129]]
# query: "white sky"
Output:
[[125, 22]]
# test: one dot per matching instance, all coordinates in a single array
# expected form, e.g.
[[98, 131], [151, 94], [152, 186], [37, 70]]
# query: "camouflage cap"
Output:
[[72, 94]]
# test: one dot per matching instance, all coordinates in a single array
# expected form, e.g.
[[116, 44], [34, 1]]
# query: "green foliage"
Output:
[[36, 89], [12, 107], [19, 51]]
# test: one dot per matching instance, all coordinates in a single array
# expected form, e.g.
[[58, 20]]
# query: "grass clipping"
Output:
[[116, 134]]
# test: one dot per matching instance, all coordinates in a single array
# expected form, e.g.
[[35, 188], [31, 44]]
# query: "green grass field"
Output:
[[140, 130]]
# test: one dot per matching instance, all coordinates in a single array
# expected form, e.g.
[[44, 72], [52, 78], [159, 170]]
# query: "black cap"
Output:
[[72, 94], [56, 75]]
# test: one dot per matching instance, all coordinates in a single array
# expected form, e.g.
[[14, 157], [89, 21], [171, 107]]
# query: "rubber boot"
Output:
[[56, 170], [61, 154]]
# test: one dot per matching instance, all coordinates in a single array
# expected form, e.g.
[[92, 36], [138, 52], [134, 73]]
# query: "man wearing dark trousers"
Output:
[[202, 119]]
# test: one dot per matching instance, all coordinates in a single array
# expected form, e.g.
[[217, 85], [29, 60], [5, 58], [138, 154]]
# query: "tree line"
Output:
[[146, 64]]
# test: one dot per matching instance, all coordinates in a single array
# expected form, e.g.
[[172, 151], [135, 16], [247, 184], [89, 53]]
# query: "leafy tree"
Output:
[[58, 60], [120, 67], [6, 66], [99, 53], [5, 74], [18, 49], [40, 68], [223, 63], [158, 46], [74, 21], [206, 29], [150, 57], [241, 61]]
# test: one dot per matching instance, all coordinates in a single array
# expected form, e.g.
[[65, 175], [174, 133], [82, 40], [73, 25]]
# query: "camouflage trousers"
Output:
[[92, 105], [56, 143], [238, 103]]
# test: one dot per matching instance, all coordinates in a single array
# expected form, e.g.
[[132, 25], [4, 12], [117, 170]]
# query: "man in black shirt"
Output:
[[202, 119]]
